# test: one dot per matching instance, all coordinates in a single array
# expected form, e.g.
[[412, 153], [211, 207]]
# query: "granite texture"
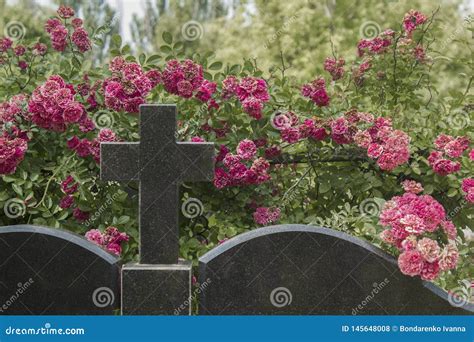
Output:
[[304, 270], [46, 271], [156, 289], [162, 165]]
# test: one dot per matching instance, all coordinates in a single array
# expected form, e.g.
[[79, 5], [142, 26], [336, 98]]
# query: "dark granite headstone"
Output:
[[160, 284], [160, 164], [46, 271], [156, 289], [304, 270]]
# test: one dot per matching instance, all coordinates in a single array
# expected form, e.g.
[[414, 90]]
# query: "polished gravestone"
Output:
[[45, 271], [304, 270], [160, 164], [160, 283]]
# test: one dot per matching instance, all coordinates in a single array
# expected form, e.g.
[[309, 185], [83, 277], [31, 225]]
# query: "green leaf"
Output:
[[178, 46], [63, 216], [165, 49], [235, 69], [429, 189], [8, 179], [216, 66], [153, 58], [167, 37], [123, 219], [117, 41], [17, 189], [126, 50], [324, 187], [452, 192], [76, 62], [142, 59]]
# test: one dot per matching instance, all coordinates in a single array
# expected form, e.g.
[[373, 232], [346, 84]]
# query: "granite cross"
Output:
[[160, 164]]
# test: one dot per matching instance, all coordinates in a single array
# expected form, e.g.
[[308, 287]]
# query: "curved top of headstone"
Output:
[[299, 269], [52, 271], [64, 235]]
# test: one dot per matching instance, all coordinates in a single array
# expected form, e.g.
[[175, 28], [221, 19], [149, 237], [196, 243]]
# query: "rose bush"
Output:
[[328, 152]]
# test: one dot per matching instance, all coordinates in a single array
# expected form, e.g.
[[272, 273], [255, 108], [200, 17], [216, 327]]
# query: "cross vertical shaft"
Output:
[[161, 165]]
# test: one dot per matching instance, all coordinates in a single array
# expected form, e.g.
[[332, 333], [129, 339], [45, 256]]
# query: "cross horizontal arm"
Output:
[[197, 161], [119, 161]]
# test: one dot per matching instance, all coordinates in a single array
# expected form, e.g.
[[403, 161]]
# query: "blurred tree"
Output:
[[23, 19], [306, 31]]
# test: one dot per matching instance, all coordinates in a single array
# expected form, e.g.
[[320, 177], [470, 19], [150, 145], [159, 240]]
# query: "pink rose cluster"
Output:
[[447, 147], [52, 105], [412, 186], [186, 79], [468, 188], [242, 168], [316, 91], [412, 220], [344, 129], [19, 54], [15, 108], [335, 67], [5, 44], [264, 215], [220, 132], [130, 84], [12, 152], [419, 53], [69, 186], [59, 33], [252, 93], [390, 147], [358, 72], [111, 239], [206, 90], [292, 131], [377, 45], [84, 147], [412, 20]]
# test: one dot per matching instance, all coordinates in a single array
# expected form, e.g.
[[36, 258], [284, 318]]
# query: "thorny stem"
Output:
[[51, 179]]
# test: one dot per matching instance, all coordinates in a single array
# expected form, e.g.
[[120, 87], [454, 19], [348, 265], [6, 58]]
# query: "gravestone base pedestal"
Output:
[[156, 289]]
